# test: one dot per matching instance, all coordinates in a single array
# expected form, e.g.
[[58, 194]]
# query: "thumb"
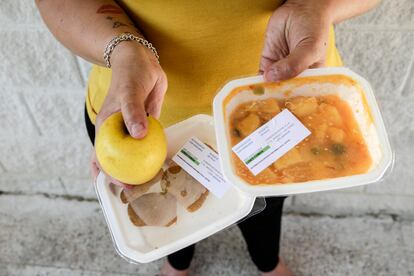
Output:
[[154, 101], [133, 113], [301, 58]]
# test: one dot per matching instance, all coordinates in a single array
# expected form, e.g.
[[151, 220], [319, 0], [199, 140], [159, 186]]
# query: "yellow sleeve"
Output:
[[333, 58]]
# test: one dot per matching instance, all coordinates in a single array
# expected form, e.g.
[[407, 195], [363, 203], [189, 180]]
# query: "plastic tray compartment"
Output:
[[354, 89], [146, 244]]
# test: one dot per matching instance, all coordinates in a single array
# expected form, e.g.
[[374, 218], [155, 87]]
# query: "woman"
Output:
[[201, 44]]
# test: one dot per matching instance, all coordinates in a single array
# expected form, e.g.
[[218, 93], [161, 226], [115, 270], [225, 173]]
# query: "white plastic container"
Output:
[[360, 98], [146, 244]]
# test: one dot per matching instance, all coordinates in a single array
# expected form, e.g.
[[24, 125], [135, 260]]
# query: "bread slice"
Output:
[[153, 209], [186, 189], [139, 190]]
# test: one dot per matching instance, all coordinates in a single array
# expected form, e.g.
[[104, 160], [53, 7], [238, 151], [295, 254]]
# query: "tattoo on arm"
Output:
[[116, 23], [112, 9], [109, 9]]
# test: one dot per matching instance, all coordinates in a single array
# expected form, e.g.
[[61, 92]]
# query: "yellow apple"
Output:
[[129, 160]]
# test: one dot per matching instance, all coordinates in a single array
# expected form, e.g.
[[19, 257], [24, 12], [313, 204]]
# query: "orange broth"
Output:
[[335, 148]]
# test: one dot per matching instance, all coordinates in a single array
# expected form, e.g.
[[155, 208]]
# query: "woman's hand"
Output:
[[296, 39], [138, 87]]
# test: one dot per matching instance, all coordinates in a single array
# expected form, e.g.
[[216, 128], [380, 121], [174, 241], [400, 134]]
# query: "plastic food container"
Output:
[[350, 87], [146, 244]]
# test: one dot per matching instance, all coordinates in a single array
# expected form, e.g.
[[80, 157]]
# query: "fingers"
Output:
[[265, 62], [301, 58], [95, 169], [118, 183], [110, 106], [154, 101], [94, 166], [133, 112], [318, 64]]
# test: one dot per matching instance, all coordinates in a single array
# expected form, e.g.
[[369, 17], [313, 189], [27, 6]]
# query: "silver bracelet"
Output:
[[126, 37]]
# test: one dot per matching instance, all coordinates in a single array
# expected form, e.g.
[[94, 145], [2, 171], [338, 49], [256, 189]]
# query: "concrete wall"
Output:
[[44, 148]]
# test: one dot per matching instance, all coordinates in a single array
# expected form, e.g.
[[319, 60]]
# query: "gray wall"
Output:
[[44, 148]]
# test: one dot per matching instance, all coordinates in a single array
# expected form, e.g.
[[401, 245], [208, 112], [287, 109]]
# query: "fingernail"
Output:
[[136, 130]]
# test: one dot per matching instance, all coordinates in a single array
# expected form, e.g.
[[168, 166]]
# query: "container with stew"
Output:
[[347, 145]]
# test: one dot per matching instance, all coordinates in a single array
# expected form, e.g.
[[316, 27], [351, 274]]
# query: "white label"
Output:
[[271, 141], [202, 163]]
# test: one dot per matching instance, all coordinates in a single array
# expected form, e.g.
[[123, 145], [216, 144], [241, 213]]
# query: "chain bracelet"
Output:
[[126, 37]]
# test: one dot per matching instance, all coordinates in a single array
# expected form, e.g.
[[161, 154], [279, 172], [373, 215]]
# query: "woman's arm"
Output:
[[341, 10], [85, 27], [336, 11], [297, 34], [138, 83]]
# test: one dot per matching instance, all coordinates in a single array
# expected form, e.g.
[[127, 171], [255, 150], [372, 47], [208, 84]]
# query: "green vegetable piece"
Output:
[[338, 149], [258, 90], [316, 151]]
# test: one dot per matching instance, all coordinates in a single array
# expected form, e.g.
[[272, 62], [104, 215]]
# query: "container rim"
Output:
[[310, 186]]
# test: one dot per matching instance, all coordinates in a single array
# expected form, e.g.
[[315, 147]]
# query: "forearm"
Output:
[[85, 27], [345, 9], [336, 11]]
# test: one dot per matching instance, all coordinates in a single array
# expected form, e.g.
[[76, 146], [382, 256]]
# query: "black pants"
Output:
[[261, 231]]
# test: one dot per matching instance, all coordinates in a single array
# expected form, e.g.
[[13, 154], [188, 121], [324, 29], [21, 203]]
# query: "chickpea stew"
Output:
[[335, 148]]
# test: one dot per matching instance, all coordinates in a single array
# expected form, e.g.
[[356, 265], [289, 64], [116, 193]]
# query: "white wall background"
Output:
[[44, 148]]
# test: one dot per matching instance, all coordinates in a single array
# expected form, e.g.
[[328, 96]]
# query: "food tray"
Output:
[[356, 91], [146, 244]]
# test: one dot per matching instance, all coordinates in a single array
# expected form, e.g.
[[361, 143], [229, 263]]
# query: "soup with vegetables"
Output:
[[335, 148]]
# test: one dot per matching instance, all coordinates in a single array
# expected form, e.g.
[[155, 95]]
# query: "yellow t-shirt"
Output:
[[201, 44]]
